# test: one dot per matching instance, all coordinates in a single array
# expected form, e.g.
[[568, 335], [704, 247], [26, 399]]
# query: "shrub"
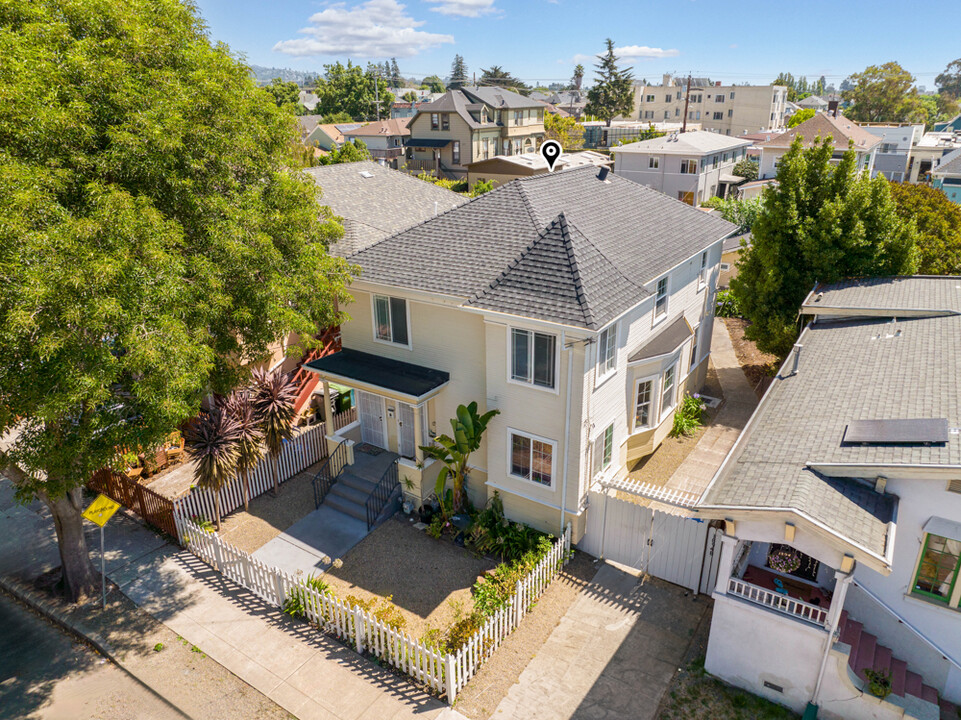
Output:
[[687, 417], [726, 305], [295, 604], [381, 608], [494, 590], [436, 527], [493, 533], [879, 682]]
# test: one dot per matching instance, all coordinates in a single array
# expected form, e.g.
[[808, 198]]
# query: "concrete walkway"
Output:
[[612, 655], [311, 544], [695, 473]]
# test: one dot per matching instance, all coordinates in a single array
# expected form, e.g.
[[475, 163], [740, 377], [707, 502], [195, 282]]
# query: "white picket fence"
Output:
[[301, 452], [445, 674]]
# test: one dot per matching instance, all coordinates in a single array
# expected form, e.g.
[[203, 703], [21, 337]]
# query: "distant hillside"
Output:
[[263, 75]]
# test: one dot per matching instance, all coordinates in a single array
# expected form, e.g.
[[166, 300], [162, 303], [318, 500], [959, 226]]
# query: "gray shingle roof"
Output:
[[950, 164], [851, 369], [621, 235], [666, 341], [375, 207], [890, 295]]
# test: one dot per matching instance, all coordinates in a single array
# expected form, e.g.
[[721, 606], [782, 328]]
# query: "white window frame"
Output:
[[702, 272], [725, 267], [510, 359], [534, 438], [695, 357], [373, 317], [598, 464], [664, 410], [667, 299], [652, 413], [653, 162], [609, 366]]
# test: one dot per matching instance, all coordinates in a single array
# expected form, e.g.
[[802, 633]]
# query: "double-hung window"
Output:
[[688, 167], [390, 320], [532, 458], [694, 357], [434, 121], [604, 449], [653, 162], [702, 273], [606, 351], [455, 152], [668, 389], [938, 570], [660, 299], [445, 121], [643, 404], [532, 357]]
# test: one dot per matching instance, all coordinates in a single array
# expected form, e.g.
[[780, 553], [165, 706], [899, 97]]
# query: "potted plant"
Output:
[[133, 465], [879, 682]]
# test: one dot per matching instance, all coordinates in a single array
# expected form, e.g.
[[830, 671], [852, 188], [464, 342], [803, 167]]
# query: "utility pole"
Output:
[[687, 101]]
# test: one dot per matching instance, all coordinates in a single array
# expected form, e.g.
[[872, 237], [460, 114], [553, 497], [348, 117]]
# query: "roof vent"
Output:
[[366, 174], [603, 173], [797, 358]]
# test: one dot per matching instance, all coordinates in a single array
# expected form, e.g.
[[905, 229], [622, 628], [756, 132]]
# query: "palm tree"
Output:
[[578, 77], [274, 394], [211, 440], [250, 442]]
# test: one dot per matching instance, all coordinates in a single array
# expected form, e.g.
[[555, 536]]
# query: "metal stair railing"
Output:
[[381, 494], [325, 478]]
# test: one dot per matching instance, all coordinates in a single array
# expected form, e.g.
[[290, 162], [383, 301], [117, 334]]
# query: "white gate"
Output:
[[681, 550], [370, 410], [405, 430]]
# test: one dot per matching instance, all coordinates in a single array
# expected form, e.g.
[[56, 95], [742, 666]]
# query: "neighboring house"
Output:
[[306, 124], [308, 99], [472, 123], [597, 133], [504, 168], [570, 101], [894, 152], [726, 109], [730, 254], [751, 189], [789, 110], [952, 125], [842, 132], [384, 139], [577, 304], [928, 153], [330, 137], [841, 502], [692, 167], [813, 102], [947, 176], [403, 109], [375, 202]]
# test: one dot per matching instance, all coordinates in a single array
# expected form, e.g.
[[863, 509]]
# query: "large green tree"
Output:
[[497, 76], [578, 77], [349, 89], [350, 151], [939, 227], [458, 72], [613, 91], [802, 115], [433, 83], [821, 222], [949, 82], [566, 130], [286, 95], [153, 241], [884, 93]]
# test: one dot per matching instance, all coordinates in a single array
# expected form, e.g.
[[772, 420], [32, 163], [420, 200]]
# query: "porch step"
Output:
[[350, 480], [899, 671], [348, 507], [348, 492], [949, 711]]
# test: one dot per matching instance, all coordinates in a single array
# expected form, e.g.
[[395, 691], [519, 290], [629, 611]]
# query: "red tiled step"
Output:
[[882, 659], [899, 669], [851, 635], [866, 650], [929, 693], [912, 684]]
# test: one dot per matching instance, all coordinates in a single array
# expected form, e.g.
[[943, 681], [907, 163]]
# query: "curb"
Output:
[[37, 602]]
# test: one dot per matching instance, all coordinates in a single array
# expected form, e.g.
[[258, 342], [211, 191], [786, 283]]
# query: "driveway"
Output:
[[612, 655]]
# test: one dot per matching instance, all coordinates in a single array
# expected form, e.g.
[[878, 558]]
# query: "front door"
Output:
[[370, 408], [405, 430]]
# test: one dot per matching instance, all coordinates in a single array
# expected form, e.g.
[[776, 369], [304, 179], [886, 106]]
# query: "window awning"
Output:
[[366, 371], [665, 342], [950, 529], [427, 142]]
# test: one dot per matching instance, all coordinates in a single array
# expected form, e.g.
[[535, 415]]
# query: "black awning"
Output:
[[376, 371], [666, 341], [426, 142]]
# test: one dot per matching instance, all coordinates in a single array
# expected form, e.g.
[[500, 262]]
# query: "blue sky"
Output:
[[542, 40]]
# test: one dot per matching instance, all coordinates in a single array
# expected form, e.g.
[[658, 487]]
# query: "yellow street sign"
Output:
[[101, 510]]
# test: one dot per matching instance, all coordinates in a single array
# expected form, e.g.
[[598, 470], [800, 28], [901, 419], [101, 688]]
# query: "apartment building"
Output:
[[725, 109]]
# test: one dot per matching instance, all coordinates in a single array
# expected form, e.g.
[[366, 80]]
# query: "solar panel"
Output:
[[917, 430]]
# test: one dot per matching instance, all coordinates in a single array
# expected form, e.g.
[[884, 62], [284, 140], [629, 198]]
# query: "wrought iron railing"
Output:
[[381, 494], [329, 472]]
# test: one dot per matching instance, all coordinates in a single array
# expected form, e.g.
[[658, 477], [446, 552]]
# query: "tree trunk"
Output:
[[217, 508], [246, 490], [79, 577], [273, 472]]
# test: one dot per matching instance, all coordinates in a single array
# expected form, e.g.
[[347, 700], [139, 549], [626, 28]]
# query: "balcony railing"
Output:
[[776, 601]]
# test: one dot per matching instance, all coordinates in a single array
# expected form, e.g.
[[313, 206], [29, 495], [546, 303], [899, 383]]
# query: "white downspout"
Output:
[[567, 438]]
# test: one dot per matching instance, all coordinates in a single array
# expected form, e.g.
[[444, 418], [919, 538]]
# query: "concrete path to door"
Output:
[[612, 655], [695, 473], [311, 544]]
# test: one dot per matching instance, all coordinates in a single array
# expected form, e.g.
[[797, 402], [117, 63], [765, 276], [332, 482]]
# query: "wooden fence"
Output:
[[155, 509], [444, 673]]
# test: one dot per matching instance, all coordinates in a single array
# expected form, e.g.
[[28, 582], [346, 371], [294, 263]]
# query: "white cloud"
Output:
[[463, 8], [633, 52], [373, 29]]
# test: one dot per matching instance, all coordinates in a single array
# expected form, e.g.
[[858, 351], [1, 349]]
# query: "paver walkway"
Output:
[[612, 655], [695, 472]]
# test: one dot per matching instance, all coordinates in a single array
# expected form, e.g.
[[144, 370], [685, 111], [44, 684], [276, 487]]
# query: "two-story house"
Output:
[[692, 167], [384, 139], [844, 133], [842, 509], [468, 124], [946, 176], [578, 304]]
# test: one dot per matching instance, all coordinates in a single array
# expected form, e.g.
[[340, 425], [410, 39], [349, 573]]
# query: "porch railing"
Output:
[[343, 419], [776, 601], [381, 494], [329, 472]]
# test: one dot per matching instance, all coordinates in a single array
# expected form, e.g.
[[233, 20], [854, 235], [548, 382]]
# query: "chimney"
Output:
[[797, 358], [833, 108], [602, 173], [717, 84]]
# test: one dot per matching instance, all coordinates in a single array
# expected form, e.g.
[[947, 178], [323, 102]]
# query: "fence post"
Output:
[[218, 553], [520, 605], [359, 629], [451, 681], [279, 587]]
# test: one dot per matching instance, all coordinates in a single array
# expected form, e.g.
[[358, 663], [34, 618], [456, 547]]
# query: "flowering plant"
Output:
[[784, 560]]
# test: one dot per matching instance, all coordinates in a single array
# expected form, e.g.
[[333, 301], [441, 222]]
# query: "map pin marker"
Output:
[[551, 151]]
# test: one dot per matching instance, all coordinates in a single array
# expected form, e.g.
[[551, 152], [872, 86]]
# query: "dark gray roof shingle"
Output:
[[623, 235], [889, 294], [666, 341]]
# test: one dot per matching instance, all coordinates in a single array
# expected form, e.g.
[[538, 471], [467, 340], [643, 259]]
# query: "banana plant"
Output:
[[454, 452]]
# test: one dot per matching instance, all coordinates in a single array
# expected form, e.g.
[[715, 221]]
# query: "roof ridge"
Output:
[[579, 288], [600, 252]]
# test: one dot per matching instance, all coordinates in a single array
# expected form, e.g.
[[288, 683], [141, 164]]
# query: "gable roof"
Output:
[[812, 101], [377, 206], [887, 296], [950, 164], [308, 123], [386, 128], [335, 131], [465, 99], [822, 125], [621, 235], [697, 142]]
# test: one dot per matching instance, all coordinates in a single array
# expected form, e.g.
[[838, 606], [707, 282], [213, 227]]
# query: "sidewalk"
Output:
[[695, 473]]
